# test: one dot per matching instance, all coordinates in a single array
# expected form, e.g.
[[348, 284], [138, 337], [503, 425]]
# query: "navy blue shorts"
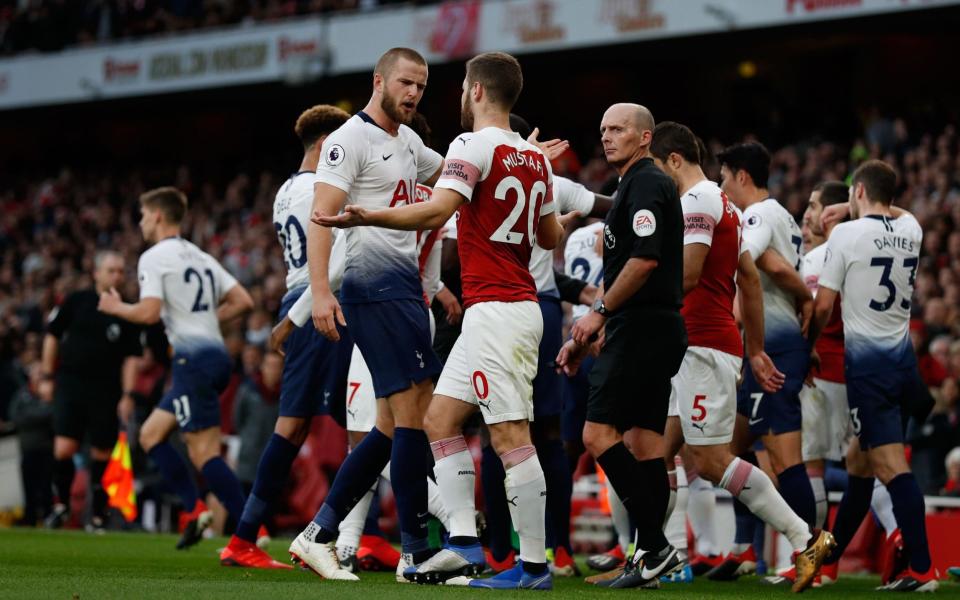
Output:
[[779, 412], [880, 403], [314, 369], [198, 378], [394, 338], [548, 384], [577, 389]]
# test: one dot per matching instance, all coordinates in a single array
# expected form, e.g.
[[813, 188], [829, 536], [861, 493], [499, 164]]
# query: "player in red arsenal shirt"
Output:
[[704, 389], [502, 186]]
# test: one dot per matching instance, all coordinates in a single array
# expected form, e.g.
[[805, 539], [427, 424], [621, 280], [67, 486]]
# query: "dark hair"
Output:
[[318, 121], [670, 137], [832, 192], [168, 200], [704, 152], [389, 59], [752, 157], [420, 127], [499, 74], [879, 179], [520, 125]]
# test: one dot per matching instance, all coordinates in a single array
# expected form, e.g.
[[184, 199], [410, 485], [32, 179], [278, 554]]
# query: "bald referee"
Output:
[[645, 338], [91, 387]]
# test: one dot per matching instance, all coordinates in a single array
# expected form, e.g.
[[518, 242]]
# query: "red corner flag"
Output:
[[118, 479]]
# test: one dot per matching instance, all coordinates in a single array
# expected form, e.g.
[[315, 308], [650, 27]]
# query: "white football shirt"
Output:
[[768, 225], [872, 262], [581, 260], [569, 196], [377, 170], [291, 217], [190, 283]]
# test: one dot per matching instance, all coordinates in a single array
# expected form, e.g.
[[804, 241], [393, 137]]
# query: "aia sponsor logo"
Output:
[[118, 71], [811, 6], [632, 15], [534, 22]]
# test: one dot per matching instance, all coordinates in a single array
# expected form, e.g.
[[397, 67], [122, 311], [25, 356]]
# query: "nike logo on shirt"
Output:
[[387, 156]]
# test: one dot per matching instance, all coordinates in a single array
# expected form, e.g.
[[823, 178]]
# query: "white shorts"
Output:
[[826, 421], [361, 400], [494, 360], [704, 396]]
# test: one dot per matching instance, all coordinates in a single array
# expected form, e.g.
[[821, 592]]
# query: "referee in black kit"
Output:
[[645, 338], [91, 387]]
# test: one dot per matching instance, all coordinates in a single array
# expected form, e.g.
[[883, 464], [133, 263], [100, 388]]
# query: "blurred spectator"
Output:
[[51, 25], [952, 487], [931, 441], [33, 418], [255, 411]]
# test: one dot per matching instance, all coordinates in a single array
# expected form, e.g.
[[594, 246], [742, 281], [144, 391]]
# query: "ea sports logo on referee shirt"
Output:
[[334, 155], [644, 223]]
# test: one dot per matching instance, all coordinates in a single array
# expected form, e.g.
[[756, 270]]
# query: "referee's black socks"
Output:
[[644, 490]]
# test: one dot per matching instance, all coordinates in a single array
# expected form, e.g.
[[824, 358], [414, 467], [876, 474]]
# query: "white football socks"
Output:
[[882, 506], [820, 497], [456, 478], [620, 517], [527, 498], [756, 491], [701, 509], [675, 528]]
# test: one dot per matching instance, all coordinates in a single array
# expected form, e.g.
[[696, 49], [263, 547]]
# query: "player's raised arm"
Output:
[[422, 215]]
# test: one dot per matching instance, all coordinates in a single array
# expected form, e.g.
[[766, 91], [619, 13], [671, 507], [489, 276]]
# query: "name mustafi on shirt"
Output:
[[518, 159]]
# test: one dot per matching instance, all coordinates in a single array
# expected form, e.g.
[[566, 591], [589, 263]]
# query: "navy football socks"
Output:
[[796, 490], [409, 469], [176, 473], [272, 473], [357, 475], [908, 507], [225, 486], [853, 508]]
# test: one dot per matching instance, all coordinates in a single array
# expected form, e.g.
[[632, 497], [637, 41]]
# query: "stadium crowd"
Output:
[[52, 25], [51, 229]]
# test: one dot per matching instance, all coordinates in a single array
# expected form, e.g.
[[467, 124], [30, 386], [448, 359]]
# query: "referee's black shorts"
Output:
[[84, 407], [630, 381]]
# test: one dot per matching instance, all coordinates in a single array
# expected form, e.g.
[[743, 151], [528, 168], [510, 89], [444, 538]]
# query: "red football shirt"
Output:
[[508, 186], [709, 218], [830, 343]]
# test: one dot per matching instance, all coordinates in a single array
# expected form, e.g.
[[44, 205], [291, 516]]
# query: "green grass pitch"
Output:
[[78, 566]]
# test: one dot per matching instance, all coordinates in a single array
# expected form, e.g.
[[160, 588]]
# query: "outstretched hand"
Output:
[[552, 149], [352, 216]]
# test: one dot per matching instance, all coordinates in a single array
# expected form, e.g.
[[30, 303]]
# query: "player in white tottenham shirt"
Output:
[[502, 187], [826, 420], [314, 367], [872, 263], [375, 161], [189, 290], [774, 241]]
